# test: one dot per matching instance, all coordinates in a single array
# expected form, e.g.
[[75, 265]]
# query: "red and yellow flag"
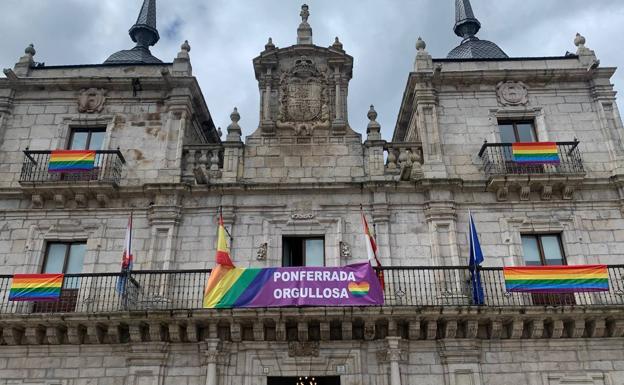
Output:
[[224, 262]]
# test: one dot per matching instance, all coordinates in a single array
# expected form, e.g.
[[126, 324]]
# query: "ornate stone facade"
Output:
[[306, 172]]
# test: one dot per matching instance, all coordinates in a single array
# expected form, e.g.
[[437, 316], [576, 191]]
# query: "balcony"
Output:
[[505, 176], [421, 303], [97, 183], [181, 290]]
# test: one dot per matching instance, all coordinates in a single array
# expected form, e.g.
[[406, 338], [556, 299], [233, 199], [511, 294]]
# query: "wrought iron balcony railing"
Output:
[[107, 168], [497, 160], [404, 286]]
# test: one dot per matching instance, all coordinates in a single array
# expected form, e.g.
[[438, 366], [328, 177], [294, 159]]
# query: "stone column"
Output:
[[394, 356], [211, 354]]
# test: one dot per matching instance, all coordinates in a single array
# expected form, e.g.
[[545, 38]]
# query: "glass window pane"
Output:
[[552, 250], [55, 259], [531, 251], [76, 258], [97, 141], [507, 133], [315, 253], [79, 141], [74, 265], [526, 132]]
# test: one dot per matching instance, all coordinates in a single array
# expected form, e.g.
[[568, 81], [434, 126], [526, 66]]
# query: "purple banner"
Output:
[[352, 285]]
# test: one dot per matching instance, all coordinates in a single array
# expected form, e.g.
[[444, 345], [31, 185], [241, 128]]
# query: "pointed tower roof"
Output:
[[144, 34], [466, 27]]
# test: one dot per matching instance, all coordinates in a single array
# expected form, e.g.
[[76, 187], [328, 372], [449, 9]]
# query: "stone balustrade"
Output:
[[202, 163]]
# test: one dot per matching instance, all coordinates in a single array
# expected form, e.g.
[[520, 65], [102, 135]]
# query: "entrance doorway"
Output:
[[310, 380]]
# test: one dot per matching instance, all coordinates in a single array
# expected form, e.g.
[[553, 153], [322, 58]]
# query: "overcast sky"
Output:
[[380, 34]]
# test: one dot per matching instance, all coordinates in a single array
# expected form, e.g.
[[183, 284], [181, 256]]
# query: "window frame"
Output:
[[514, 123], [540, 247], [303, 239], [88, 130], [69, 244]]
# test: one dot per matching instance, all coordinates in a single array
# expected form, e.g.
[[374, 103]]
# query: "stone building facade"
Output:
[[299, 179]]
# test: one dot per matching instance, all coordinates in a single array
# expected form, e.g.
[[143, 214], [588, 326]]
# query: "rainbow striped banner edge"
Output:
[[535, 152], [556, 279], [36, 287], [71, 160]]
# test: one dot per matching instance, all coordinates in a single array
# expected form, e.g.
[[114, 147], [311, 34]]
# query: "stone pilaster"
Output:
[[211, 355], [394, 357]]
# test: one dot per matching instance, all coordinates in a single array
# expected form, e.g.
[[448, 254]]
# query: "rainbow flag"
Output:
[[236, 287], [557, 279], [71, 161], [36, 287], [535, 152]]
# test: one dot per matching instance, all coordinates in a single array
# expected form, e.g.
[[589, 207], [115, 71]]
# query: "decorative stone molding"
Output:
[[91, 100], [303, 349], [302, 216], [512, 93]]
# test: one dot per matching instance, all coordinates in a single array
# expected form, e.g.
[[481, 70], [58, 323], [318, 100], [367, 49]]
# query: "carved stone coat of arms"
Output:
[[303, 98]]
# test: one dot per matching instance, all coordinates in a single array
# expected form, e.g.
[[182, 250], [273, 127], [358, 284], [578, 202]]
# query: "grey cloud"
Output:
[[226, 34]]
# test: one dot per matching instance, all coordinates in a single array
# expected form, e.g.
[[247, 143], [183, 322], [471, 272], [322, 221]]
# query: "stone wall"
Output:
[[452, 362]]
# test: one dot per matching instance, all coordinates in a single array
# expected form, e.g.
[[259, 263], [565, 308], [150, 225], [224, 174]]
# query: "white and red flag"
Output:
[[127, 259], [371, 249]]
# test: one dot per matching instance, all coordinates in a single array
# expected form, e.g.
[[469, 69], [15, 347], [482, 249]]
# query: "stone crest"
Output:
[[512, 93], [303, 103], [91, 100]]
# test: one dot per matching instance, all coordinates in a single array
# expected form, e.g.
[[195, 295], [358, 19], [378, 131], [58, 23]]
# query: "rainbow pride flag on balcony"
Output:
[[36, 287], [71, 160], [535, 152], [557, 279]]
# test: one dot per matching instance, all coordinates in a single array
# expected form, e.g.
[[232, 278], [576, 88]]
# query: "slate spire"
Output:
[[144, 34], [466, 24], [144, 31]]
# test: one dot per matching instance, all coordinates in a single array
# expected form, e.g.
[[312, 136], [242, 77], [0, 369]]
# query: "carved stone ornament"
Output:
[[261, 254], [302, 216], [303, 349], [303, 98], [345, 250], [512, 93], [91, 100]]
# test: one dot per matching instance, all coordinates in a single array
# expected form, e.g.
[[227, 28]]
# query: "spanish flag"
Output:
[[224, 262]]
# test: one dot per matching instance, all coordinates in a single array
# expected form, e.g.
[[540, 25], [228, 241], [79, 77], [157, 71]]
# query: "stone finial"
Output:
[[587, 57], [185, 48], [579, 40], [269, 46], [234, 131], [30, 50], [304, 32], [337, 44], [374, 128], [420, 44], [26, 62], [424, 61]]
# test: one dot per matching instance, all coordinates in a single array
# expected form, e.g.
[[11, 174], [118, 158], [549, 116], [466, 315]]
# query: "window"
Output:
[[543, 250], [517, 131], [66, 258], [303, 251], [86, 139]]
